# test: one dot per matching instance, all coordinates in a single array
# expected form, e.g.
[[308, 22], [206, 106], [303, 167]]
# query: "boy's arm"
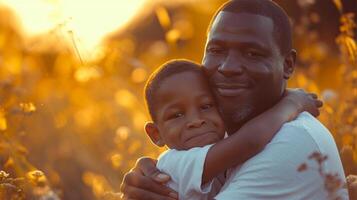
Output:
[[256, 133]]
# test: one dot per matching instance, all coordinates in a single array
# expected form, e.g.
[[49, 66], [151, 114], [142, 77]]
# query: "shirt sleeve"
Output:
[[273, 173], [185, 169]]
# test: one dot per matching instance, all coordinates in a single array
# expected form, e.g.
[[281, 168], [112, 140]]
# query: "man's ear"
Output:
[[153, 132], [289, 63]]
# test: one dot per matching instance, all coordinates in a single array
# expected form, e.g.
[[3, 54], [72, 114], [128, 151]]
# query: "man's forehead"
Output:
[[232, 22]]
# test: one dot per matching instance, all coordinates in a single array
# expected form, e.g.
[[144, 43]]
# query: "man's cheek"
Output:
[[209, 70], [210, 64], [260, 72]]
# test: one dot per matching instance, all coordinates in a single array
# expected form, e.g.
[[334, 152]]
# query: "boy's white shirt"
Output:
[[186, 169]]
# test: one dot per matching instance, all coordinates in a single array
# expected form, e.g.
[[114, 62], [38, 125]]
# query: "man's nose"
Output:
[[231, 66]]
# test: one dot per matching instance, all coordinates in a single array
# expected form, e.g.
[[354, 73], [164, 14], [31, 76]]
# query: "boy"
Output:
[[186, 119]]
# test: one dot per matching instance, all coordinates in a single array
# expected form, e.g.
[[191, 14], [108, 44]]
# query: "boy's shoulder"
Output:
[[172, 159], [185, 168], [179, 155]]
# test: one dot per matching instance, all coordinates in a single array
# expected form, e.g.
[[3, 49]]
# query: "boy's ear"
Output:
[[153, 132], [289, 64]]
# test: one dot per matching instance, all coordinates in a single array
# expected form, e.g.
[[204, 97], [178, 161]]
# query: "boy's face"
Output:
[[186, 114]]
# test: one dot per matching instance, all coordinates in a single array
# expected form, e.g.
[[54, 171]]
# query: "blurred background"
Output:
[[72, 76]]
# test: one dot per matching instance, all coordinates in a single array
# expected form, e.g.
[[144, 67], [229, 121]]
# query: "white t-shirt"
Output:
[[273, 173], [186, 169]]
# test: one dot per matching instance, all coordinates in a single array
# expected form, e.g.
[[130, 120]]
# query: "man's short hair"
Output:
[[282, 27], [166, 70]]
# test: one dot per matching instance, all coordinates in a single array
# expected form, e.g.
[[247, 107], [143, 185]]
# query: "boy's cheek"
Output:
[[173, 141]]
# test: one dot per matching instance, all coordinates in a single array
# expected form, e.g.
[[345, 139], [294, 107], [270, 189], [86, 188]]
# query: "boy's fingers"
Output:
[[315, 112], [137, 193], [319, 103], [313, 95]]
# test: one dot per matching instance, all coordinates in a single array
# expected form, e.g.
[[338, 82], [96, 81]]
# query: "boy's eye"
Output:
[[175, 115]]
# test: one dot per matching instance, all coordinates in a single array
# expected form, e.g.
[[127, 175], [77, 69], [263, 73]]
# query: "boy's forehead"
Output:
[[183, 83], [178, 80]]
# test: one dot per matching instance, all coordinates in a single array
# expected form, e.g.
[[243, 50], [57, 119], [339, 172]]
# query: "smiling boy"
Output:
[[186, 119]]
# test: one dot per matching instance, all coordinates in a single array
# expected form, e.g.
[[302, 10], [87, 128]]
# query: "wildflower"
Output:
[[28, 108], [302, 167], [37, 177], [3, 175]]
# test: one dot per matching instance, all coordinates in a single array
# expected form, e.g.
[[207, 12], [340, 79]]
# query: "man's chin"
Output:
[[235, 118]]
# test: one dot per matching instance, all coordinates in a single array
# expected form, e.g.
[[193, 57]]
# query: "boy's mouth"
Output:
[[198, 137]]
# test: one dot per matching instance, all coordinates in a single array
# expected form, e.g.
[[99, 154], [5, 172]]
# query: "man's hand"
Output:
[[146, 182]]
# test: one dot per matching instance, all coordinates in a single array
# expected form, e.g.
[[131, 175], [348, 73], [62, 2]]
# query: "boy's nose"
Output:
[[196, 123]]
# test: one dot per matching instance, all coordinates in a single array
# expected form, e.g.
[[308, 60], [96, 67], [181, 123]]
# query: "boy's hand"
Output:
[[146, 182], [304, 101]]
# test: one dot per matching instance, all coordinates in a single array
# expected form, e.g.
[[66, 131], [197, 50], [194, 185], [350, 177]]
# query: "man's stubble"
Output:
[[238, 115]]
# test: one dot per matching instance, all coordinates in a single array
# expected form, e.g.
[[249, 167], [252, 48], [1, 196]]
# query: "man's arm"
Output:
[[255, 134], [146, 182]]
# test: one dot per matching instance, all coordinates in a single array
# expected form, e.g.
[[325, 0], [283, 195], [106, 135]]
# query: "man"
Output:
[[248, 59]]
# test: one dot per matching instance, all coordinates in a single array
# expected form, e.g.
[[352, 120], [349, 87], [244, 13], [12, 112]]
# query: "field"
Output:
[[72, 114]]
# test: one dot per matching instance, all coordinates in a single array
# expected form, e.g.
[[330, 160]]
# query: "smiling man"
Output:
[[248, 59]]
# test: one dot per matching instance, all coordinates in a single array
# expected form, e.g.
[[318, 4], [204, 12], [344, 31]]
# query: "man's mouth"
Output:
[[231, 90]]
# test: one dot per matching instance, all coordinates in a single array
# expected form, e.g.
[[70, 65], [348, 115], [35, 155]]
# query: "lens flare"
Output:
[[88, 21]]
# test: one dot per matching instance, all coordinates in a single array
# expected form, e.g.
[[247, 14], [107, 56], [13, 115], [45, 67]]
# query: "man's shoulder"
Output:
[[305, 121], [306, 128], [306, 135], [277, 165]]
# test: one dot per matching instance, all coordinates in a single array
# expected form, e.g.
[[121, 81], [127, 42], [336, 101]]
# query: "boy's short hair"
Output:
[[166, 70]]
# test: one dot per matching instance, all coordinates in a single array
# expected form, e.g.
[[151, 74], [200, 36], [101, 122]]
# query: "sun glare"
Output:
[[89, 21]]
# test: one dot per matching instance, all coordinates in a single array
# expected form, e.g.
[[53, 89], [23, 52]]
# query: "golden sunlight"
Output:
[[87, 21]]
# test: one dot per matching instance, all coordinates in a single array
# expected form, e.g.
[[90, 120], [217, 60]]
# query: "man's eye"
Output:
[[206, 106], [215, 50], [254, 54]]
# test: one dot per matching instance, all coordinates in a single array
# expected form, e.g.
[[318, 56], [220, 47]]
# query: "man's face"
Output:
[[244, 66]]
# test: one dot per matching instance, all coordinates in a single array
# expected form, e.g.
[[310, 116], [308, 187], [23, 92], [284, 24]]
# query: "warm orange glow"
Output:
[[72, 109], [89, 21]]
